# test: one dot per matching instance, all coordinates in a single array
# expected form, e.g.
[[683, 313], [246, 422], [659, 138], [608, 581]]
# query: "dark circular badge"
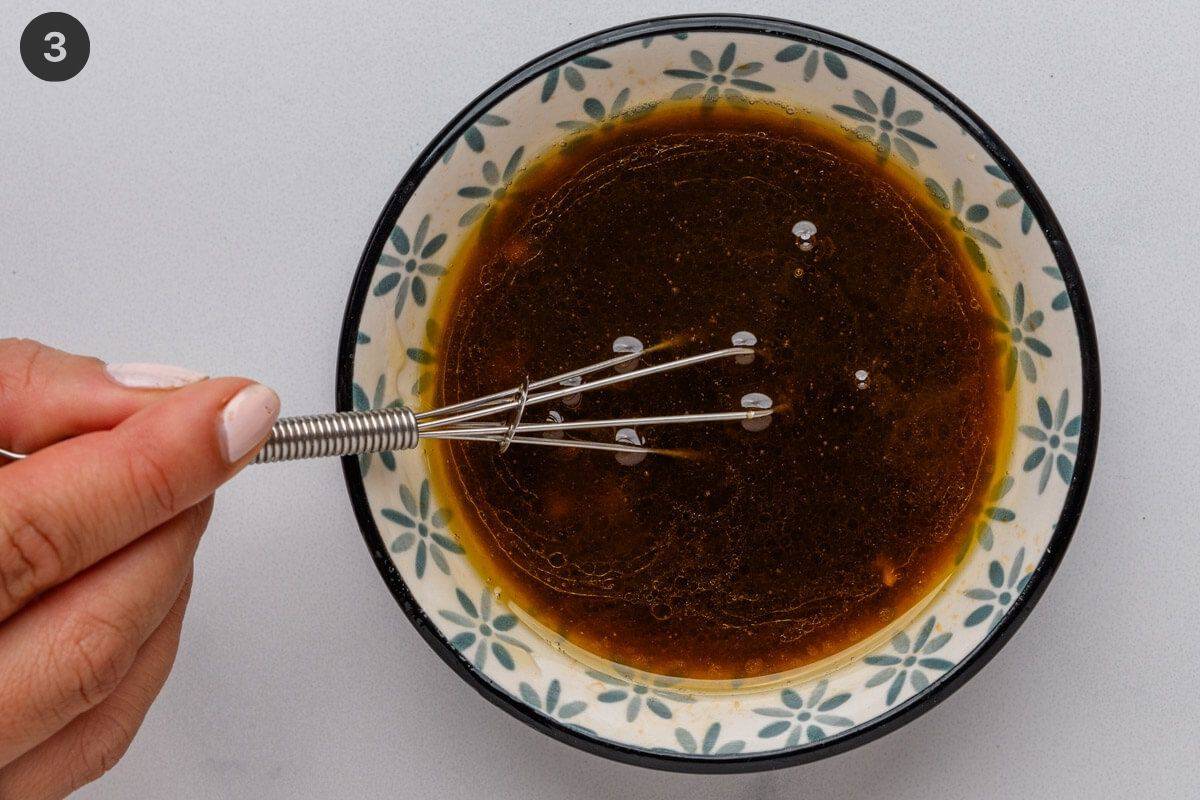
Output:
[[55, 46]]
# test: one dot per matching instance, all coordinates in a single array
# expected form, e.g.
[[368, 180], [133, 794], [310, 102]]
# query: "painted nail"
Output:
[[152, 376], [246, 420]]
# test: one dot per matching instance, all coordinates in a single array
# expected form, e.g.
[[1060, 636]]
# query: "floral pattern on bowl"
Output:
[[390, 355]]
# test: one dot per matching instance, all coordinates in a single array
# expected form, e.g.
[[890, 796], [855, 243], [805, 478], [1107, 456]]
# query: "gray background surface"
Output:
[[201, 192]]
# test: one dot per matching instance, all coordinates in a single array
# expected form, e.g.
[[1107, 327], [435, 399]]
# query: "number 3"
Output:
[[57, 51]]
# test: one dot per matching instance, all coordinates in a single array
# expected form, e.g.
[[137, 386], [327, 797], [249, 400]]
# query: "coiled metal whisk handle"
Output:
[[348, 433]]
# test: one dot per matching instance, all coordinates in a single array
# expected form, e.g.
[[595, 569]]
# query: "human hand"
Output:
[[98, 528]]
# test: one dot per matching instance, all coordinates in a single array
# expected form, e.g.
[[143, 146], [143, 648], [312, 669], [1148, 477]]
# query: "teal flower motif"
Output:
[[708, 743], [994, 512], [648, 40], [425, 357], [485, 634], [1057, 441], [363, 403], [414, 262], [894, 132], [910, 660], [571, 74], [422, 530], [999, 596], [833, 62], [634, 694], [1011, 197], [599, 118], [362, 338], [550, 705], [496, 186], [1019, 326], [473, 135], [806, 720], [952, 201], [718, 80], [1062, 300]]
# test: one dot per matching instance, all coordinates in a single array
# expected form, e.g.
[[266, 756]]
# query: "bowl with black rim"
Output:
[[389, 354]]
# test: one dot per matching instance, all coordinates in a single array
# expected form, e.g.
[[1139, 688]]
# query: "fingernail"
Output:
[[152, 376], [246, 421]]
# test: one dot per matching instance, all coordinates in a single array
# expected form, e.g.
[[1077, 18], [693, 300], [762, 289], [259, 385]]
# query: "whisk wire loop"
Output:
[[522, 400]]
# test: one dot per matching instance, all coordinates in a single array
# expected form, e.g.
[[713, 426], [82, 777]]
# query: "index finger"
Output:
[[47, 395], [68, 506]]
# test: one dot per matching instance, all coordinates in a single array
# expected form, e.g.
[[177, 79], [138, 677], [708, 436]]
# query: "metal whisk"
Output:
[[386, 429]]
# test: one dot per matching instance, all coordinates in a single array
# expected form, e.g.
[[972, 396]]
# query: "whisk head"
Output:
[[499, 417], [476, 420]]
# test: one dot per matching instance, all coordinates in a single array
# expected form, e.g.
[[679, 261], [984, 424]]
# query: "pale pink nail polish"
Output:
[[246, 420], [152, 376]]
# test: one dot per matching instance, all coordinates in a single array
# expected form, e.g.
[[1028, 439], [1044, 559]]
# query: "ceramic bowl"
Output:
[[389, 353]]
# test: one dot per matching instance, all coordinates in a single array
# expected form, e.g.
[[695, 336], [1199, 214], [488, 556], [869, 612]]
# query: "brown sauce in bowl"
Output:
[[768, 550]]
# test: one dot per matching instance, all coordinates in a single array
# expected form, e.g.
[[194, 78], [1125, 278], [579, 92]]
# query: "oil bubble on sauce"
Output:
[[756, 401], [805, 231], [631, 437]]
